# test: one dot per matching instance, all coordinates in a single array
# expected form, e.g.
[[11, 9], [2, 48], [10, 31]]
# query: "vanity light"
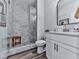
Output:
[[77, 14]]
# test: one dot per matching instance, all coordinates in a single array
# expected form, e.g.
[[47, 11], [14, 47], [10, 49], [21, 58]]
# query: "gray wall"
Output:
[[46, 16], [40, 20], [50, 14]]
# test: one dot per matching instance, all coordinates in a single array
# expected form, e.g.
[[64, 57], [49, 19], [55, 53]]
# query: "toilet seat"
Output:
[[40, 42], [40, 46]]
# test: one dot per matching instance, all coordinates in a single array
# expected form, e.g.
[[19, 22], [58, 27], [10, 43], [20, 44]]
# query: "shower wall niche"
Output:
[[24, 21]]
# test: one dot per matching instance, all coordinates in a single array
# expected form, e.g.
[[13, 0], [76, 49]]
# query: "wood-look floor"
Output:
[[27, 55]]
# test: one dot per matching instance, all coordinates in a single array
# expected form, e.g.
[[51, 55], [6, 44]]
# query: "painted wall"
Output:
[[40, 20], [50, 14]]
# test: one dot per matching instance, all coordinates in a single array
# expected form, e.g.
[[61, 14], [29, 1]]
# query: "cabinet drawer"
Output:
[[68, 40]]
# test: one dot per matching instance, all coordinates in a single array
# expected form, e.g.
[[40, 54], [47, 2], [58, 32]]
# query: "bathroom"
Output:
[[39, 29], [20, 29]]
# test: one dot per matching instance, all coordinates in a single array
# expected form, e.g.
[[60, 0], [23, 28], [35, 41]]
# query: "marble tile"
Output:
[[19, 22]]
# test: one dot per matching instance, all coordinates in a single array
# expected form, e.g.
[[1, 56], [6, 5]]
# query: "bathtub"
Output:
[[21, 48], [5, 53]]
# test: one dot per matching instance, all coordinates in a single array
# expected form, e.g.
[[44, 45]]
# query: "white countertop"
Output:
[[65, 33]]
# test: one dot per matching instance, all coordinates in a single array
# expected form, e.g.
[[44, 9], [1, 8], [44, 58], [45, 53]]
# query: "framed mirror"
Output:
[[3, 8], [67, 12]]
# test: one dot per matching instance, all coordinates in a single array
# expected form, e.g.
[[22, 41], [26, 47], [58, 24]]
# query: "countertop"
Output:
[[64, 33]]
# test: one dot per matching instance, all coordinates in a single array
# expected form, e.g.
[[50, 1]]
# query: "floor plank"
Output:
[[28, 55]]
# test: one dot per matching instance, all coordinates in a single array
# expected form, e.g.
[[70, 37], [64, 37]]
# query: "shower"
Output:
[[23, 20], [18, 26]]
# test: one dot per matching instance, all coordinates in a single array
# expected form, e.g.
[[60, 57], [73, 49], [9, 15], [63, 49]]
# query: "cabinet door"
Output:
[[68, 54], [59, 52], [50, 49], [53, 49]]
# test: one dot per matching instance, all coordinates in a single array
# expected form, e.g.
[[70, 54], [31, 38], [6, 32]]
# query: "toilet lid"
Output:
[[40, 41]]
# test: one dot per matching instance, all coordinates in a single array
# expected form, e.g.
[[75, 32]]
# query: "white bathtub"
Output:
[[6, 53], [21, 48]]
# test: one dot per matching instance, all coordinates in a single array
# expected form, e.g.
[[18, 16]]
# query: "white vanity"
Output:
[[62, 45]]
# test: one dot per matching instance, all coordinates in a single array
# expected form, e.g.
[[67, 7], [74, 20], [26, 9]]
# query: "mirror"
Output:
[[3, 13], [67, 12]]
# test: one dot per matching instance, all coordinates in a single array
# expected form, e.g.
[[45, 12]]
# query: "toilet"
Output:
[[40, 46]]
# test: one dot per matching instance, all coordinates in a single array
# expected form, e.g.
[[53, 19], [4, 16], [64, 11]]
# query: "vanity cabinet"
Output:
[[66, 54], [53, 51], [49, 49], [57, 49]]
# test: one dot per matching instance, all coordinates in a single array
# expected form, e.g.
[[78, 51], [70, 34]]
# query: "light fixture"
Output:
[[77, 14]]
